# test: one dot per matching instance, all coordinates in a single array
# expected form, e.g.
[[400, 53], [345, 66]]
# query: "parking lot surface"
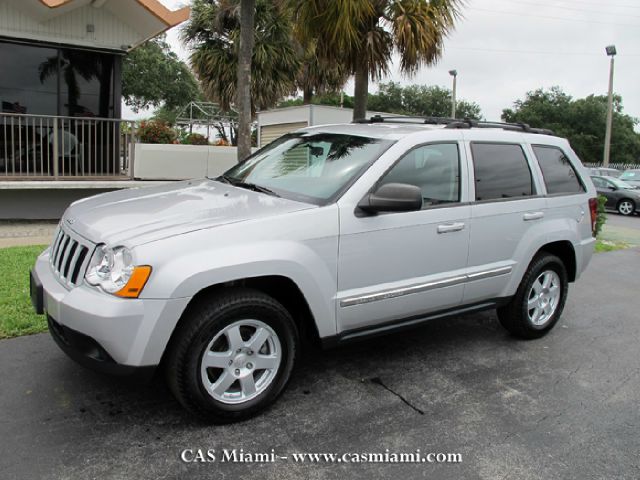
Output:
[[565, 406]]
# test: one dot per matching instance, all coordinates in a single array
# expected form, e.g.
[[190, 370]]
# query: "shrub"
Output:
[[156, 131], [601, 217], [195, 139]]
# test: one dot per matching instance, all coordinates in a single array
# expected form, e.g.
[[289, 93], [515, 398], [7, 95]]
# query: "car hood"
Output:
[[140, 215]]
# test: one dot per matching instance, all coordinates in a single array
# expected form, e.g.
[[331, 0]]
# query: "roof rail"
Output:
[[455, 123]]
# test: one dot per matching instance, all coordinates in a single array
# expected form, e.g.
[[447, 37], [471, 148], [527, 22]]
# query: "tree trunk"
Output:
[[243, 90], [361, 92]]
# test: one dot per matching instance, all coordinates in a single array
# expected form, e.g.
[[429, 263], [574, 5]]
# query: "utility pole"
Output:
[[611, 51], [454, 74]]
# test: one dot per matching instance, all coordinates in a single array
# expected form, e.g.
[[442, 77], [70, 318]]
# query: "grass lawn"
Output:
[[609, 246], [16, 313]]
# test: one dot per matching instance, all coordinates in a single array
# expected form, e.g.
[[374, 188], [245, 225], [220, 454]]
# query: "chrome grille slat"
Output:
[[56, 244], [58, 257], [72, 263], [66, 261], [81, 264], [69, 257]]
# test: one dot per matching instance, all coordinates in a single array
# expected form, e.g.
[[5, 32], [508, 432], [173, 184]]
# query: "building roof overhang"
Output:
[[147, 18]]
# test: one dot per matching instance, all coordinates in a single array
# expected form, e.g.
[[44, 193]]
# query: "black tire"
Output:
[[201, 324], [515, 315], [631, 207]]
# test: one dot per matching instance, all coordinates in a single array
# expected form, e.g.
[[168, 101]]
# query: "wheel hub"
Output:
[[544, 297], [241, 361]]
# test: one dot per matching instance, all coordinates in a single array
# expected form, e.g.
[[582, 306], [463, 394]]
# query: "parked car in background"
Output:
[[621, 196], [605, 172], [632, 177]]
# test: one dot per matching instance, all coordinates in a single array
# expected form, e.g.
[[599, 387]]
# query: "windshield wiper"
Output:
[[249, 186]]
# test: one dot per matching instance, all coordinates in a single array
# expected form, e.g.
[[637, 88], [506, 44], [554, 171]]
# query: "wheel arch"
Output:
[[281, 288], [564, 250]]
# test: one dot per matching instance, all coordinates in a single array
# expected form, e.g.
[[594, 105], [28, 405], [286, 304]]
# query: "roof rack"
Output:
[[455, 123]]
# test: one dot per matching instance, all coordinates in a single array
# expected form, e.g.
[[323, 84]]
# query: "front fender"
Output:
[[311, 265]]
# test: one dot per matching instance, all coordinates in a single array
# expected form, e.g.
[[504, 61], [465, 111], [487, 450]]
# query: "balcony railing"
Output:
[[38, 147]]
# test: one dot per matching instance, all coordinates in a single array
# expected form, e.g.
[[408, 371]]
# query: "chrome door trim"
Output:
[[422, 287], [496, 272]]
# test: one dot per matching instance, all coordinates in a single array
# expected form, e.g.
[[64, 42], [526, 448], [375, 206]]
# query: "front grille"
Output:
[[69, 257]]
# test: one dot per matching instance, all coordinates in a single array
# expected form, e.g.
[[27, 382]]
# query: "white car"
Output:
[[332, 233]]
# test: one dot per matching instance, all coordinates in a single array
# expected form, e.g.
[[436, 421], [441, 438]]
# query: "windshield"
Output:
[[619, 183], [310, 167], [631, 175]]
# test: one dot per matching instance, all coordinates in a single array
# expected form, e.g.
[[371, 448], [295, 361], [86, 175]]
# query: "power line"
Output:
[[535, 52], [574, 9], [548, 17], [598, 4]]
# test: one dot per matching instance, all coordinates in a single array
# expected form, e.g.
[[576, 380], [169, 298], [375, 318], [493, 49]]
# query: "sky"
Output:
[[505, 48]]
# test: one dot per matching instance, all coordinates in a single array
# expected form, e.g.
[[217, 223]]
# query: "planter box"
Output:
[[181, 162]]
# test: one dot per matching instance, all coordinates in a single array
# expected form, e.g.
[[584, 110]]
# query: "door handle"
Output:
[[527, 217], [450, 227]]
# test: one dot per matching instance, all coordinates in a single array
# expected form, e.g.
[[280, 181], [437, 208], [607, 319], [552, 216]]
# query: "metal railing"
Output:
[[40, 147]]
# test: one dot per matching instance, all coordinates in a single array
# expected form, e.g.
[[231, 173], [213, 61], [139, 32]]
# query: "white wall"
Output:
[[71, 27], [181, 162]]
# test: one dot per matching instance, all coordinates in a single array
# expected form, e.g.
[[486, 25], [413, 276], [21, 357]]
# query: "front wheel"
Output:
[[539, 300], [232, 356], [626, 207]]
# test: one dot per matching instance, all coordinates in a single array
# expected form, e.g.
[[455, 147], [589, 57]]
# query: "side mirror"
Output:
[[393, 197], [613, 188]]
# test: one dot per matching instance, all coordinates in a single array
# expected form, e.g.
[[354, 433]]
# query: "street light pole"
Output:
[[454, 74], [611, 51]]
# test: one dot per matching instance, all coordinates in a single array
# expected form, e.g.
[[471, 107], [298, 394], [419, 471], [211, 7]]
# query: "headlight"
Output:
[[112, 269]]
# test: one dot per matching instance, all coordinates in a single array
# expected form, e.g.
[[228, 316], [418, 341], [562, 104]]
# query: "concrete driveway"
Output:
[[565, 406]]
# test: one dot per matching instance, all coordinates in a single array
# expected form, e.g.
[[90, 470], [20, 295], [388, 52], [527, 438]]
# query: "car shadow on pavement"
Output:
[[98, 398]]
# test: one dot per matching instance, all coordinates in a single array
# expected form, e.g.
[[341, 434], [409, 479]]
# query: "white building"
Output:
[[275, 123]]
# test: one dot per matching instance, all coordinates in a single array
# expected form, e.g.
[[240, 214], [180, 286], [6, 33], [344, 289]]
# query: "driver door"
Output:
[[394, 266]]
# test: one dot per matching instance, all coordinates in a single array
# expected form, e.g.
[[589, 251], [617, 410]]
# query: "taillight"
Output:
[[593, 209]]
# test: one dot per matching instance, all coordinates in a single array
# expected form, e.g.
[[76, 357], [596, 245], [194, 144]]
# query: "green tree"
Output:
[[154, 76], [420, 100], [582, 121], [362, 36]]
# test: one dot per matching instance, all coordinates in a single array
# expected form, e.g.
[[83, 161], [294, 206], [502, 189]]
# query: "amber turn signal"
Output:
[[136, 283]]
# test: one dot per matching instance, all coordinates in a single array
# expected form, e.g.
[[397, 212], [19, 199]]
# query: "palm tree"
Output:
[[317, 75], [362, 35], [213, 33]]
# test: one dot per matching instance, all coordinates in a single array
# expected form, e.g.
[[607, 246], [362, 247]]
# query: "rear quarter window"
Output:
[[559, 175]]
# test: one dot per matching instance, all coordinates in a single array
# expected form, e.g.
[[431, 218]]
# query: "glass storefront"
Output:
[[56, 81]]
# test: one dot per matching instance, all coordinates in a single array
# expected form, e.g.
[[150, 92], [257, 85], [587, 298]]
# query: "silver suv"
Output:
[[331, 233]]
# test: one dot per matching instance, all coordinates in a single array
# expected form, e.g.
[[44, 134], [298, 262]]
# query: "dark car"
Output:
[[632, 177], [621, 196], [605, 172]]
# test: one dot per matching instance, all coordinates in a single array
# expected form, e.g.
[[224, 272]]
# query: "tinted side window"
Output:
[[433, 168], [559, 175], [501, 171]]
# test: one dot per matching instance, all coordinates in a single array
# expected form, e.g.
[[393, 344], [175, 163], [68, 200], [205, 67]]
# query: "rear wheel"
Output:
[[539, 300], [626, 207], [232, 356]]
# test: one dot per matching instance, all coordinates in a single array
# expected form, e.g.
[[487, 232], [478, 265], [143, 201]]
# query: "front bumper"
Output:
[[101, 331]]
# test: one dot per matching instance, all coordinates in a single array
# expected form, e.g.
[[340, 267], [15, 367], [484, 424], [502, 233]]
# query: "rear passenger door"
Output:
[[506, 207]]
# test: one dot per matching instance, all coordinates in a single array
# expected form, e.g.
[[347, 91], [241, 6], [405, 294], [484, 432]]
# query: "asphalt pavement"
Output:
[[565, 406]]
